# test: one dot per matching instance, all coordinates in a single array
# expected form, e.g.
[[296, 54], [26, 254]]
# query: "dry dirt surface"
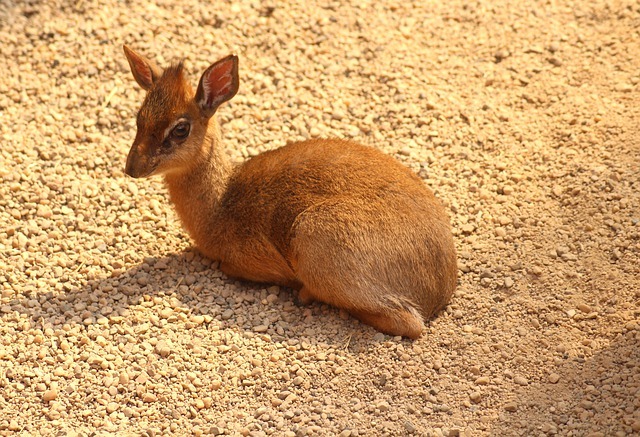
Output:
[[522, 116]]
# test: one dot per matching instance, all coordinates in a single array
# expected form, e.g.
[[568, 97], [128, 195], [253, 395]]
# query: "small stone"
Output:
[[511, 406], [163, 349], [557, 190], [123, 379], [508, 282], [260, 328], [624, 87], [554, 378], [555, 61], [405, 151], [165, 313], [379, 337], [149, 397], [383, 406], [475, 397], [587, 405], [501, 54], [49, 395], [410, 427], [483, 380], [215, 430], [197, 319], [111, 407], [22, 240], [272, 298], [584, 308], [468, 228], [14, 425], [504, 220], [44, 211], [520, 380]]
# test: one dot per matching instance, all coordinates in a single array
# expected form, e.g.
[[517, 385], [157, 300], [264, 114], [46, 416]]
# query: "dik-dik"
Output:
[[341, 222]]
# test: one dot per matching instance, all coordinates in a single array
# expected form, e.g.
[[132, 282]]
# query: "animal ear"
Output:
[[218, 84], [144, 71]]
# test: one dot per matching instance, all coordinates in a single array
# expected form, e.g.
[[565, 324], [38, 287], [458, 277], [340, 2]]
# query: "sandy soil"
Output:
[[522, 116]]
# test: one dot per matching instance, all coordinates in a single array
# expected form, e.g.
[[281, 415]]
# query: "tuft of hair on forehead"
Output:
[[173, 78], [175, 71], [168, 95]]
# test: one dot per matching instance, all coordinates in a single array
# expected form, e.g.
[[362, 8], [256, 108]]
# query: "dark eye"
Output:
[[180, 131]]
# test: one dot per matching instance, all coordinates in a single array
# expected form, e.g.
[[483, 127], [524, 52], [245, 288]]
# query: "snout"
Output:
[[138, 164]]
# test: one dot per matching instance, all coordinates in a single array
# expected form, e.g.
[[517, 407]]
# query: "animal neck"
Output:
[[196, 191]]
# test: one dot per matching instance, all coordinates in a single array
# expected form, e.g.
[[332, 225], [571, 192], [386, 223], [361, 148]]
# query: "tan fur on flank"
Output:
[[341, 222]]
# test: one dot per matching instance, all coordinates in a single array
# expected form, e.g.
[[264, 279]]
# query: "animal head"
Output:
[[173, 120]]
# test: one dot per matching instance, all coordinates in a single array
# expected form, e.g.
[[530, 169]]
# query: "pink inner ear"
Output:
[[218, 82]]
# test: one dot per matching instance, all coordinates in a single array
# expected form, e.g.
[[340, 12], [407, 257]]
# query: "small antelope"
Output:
[[341, 222]]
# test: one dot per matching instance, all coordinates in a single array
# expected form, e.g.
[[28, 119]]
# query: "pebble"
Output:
[[163, 349], [511, 406], [123, 378], [383, 406], [536, 270], [409, 427], [554, 378], [149, 397], [501, 54], [165, 313], [555, 61], [520, 380], [624, 87], [197, 319], [468, 228], [504, 220], [584, 308], [483, 380], [49, 395]]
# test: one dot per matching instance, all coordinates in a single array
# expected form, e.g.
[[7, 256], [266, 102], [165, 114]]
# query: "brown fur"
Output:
[[341, 222]]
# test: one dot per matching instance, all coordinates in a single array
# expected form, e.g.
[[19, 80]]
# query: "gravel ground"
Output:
[[522, 116]]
